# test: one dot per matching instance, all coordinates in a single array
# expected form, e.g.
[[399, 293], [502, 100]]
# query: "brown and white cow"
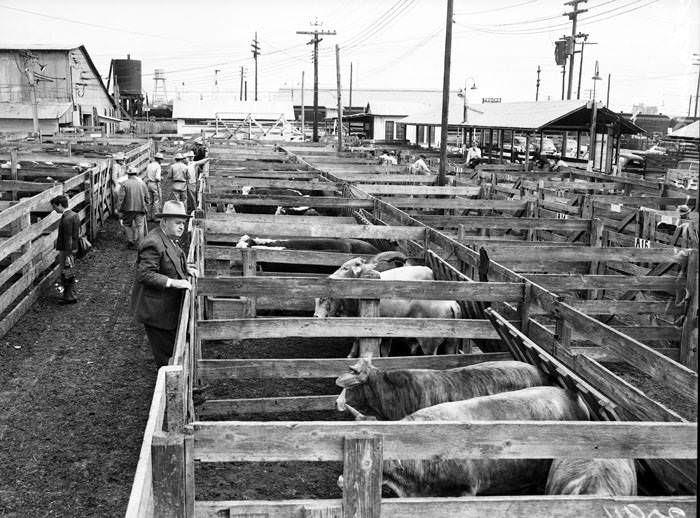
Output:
[[393, 308], [471, 477], [394, 394], [602, 477]]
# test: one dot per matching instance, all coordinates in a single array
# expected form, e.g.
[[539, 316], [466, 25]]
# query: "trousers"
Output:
[[162, 342]]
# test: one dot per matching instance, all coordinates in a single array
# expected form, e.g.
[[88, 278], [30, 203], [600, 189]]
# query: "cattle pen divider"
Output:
[[176, 439]]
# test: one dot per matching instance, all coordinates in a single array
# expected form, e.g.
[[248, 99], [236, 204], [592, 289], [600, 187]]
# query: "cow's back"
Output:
[[408, 273], [530, 404]]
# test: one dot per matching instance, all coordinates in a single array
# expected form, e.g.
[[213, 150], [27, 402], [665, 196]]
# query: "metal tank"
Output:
[[128, 75]]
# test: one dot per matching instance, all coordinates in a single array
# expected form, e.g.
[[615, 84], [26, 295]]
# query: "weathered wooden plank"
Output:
[[456, 203], [559, 282], [217, 183], [280, 219], [240, 329], [210, 370], [359, 288], [287, 441], [299, 230], [589, 253], [20, 185], [25, 205], [467, 507], [619, 307], [227, 253], [419, 189], [505, 223], [289, 201], [222, 407]]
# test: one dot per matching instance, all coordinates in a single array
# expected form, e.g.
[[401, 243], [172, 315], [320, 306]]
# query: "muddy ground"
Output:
[[76, 384]]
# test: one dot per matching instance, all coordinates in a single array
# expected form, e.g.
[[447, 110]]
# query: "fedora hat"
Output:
[[190, 153], [158, 155], [132, 170], [173, 209], [119, 156], [178, 156]]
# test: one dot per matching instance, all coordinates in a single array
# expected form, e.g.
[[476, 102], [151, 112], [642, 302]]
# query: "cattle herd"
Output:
[[490, 391]]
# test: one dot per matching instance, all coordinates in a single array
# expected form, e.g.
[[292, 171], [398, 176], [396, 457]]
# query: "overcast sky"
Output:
[[647, 45]]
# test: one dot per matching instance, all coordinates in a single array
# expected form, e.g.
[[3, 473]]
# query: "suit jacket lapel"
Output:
[[176, 255]]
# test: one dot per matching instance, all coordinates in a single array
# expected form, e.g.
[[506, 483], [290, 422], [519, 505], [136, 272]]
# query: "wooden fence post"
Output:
[[175, 401], [562, 332], [596, 267], [525, 308], [369, 308], [168, 471], [689, 336], [13, 171], [249, 270], [362, 477]]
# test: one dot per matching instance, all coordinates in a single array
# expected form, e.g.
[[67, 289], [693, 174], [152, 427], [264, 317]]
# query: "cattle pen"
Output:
[[242, 342]]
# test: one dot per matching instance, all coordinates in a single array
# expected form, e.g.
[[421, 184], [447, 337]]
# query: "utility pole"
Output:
[[256, 52], [563, 80], [573, 16], [350, 100], [315, 41], [697, 87], [240, 91], [537, 91], [446, 93], [580, 62], [303, 109], [607, 97], [340, 99]]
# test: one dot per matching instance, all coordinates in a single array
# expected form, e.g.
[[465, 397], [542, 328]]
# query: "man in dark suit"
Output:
[[161, 279], [67, 246]]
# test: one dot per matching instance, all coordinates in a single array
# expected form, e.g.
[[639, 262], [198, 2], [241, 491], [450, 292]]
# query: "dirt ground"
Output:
[[76, 384]]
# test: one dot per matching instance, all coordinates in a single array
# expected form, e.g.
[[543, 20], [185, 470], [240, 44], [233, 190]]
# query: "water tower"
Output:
[[126, 74], [160, 92]]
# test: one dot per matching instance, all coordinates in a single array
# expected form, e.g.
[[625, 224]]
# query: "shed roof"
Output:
[[689, 132], [527, 116], [46, 110], [208, 106], [395, 107]]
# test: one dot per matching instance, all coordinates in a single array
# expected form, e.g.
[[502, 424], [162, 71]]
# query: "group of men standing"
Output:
[[162, 273], [138, 196]]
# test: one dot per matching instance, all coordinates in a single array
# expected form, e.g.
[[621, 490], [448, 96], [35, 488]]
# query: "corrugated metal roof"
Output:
[[207, 107], [46, 110], [691, 131]]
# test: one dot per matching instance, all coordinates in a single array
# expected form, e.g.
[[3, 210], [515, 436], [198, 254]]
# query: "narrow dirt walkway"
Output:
[[75, 389]]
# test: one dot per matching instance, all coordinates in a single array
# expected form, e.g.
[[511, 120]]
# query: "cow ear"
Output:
[[349, 380]]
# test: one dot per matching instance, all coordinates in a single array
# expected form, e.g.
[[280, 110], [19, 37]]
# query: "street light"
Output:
[[592, 138], [463, 94]]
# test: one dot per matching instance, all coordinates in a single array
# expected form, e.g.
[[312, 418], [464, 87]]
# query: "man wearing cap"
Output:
[[118, 178], [153, 179], [67, 246], [419, 166], [161, 280], [134, 208], [178, 173]]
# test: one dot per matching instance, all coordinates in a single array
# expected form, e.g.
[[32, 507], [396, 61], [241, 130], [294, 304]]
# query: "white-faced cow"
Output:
[[327, 244], [479, 476], [601, 477], [393, 308], [394, 394]]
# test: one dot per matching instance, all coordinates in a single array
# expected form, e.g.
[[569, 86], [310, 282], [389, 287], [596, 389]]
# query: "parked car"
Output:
[[631, 163], [689, 165]]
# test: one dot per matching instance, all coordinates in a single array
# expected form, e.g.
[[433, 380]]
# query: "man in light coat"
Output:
[[134, 208], [153, 178]]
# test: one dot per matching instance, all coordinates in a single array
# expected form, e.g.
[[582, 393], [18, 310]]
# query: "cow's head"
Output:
[[358, 375], [352, 269], [247, 190]]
